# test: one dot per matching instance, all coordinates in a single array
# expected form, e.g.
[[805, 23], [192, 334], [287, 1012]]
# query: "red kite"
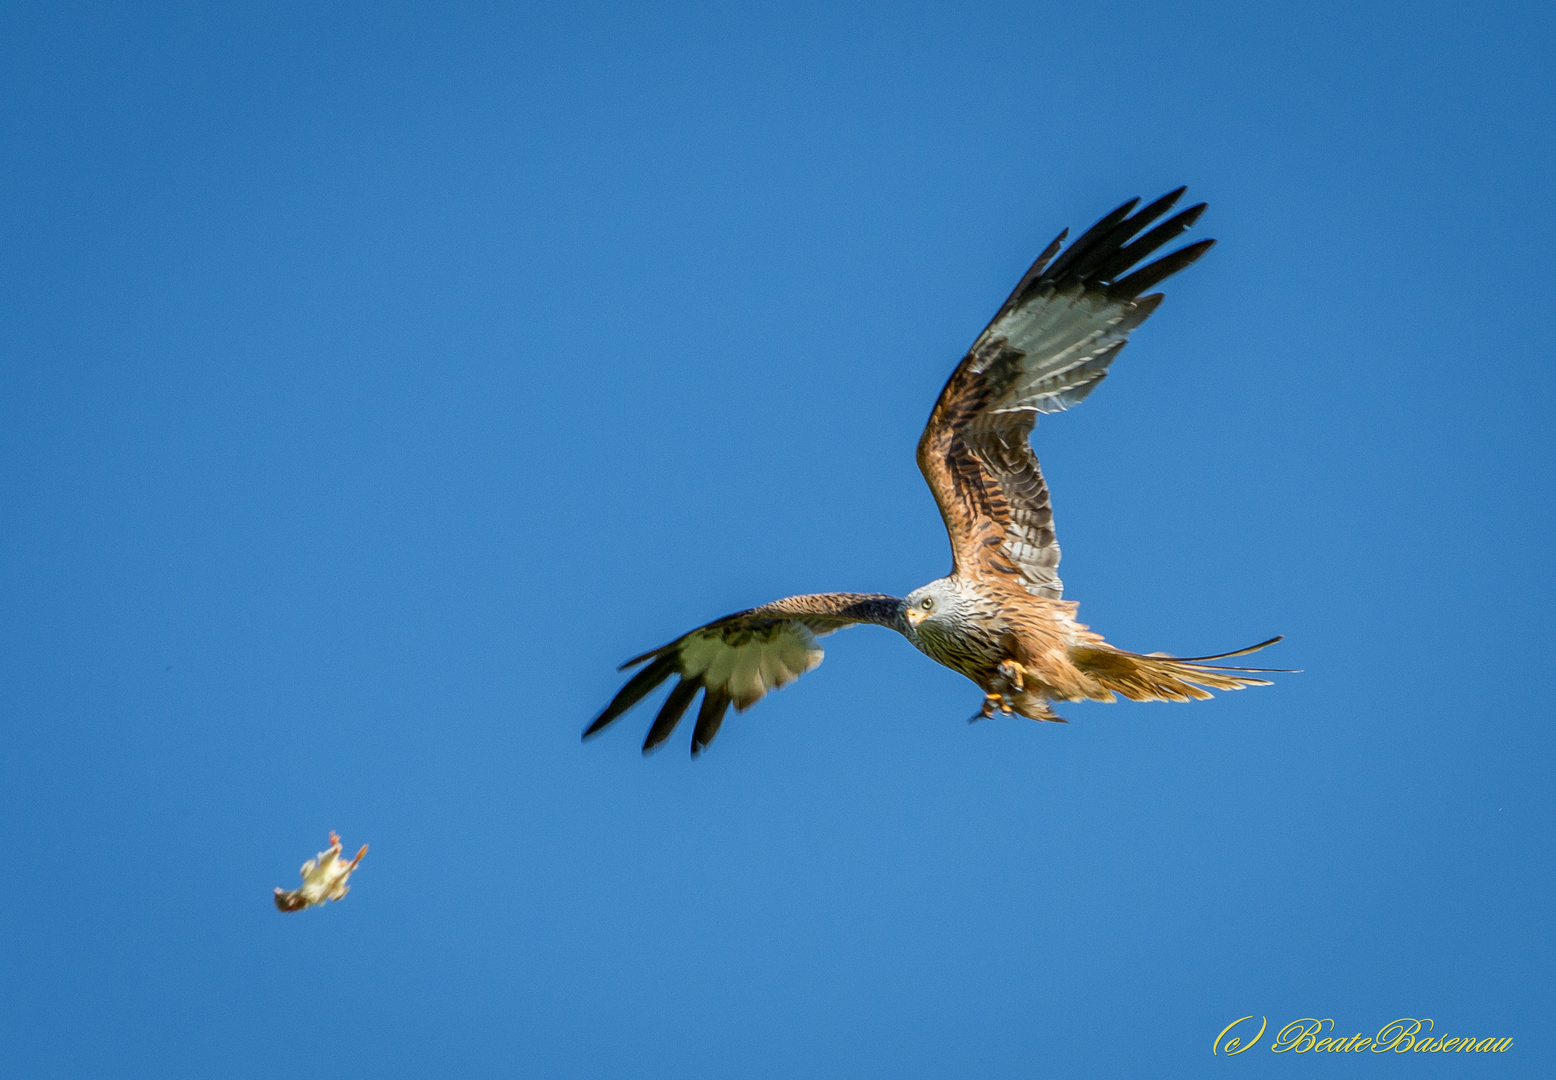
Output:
[[998, 617]]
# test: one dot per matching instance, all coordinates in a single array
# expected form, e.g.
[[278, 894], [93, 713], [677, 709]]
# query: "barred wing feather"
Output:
[[1046, 349]]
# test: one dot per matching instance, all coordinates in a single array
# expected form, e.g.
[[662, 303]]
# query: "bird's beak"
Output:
[[915, 616]]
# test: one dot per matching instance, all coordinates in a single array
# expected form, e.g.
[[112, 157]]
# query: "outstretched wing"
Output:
[[736, 660], [1047, 348]]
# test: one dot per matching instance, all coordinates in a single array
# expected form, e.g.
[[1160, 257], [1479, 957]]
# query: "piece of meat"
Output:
[[324, 878]]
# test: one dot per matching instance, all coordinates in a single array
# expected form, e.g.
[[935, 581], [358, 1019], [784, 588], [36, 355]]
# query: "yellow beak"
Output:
[[916, 615]]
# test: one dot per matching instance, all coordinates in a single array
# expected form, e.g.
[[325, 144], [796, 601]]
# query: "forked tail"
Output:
[[1159, 677]]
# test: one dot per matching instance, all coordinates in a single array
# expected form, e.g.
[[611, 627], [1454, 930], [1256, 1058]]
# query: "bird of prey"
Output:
[[998, 617]]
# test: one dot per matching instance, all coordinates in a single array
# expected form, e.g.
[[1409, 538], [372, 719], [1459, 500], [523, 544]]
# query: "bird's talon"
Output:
[[990, 703], [1011, 672]]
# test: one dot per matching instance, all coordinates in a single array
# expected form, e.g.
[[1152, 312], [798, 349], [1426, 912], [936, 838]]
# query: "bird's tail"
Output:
[[1159, 677]]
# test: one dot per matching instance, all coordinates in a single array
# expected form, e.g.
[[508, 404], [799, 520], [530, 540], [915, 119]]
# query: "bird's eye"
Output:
[[928, 603]]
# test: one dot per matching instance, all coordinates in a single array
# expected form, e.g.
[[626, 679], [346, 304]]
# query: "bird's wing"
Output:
[[1046, 349], [736, 660]]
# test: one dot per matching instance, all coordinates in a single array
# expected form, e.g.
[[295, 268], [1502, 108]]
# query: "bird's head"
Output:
[[937, 602]]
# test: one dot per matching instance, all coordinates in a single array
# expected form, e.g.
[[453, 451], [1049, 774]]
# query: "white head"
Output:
[[937, 604]]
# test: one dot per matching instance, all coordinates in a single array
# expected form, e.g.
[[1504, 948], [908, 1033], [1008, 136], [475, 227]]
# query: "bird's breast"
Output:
[[970, 650]]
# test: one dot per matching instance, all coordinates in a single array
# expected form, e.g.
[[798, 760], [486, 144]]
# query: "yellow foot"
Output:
[[1011, 672], [990, 703]]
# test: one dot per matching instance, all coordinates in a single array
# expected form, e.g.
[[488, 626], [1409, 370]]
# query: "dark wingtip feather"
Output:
[[1098, 255], [636, 660], [1048, 253], [1034, 273], [1112, 217], [709, 717], [1132, 225], [1155, 273], [1083, 246], [670, 713], [629, 695], [1142, 247]]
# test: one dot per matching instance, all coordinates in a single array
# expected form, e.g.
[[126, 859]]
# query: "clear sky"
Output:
[[374, 379]]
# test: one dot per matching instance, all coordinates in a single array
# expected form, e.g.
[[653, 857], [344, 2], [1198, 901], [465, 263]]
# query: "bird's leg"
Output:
[[1008, 678], [1010, 682], [1011, 672], [990, 703]]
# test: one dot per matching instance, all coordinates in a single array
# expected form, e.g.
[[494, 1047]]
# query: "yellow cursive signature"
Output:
[[1232, 1044], [1401, 1036]]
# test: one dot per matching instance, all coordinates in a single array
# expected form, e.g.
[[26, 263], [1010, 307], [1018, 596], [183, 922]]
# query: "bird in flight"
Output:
[[998, 617]]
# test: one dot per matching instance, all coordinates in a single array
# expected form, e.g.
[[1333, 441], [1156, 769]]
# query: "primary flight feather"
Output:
[[998, 617]]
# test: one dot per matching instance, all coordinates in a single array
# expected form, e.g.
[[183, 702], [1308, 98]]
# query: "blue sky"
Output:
[[374, 379]]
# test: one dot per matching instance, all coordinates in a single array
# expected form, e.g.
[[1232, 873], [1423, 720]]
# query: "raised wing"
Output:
[[1047, 348], [736, 660]]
